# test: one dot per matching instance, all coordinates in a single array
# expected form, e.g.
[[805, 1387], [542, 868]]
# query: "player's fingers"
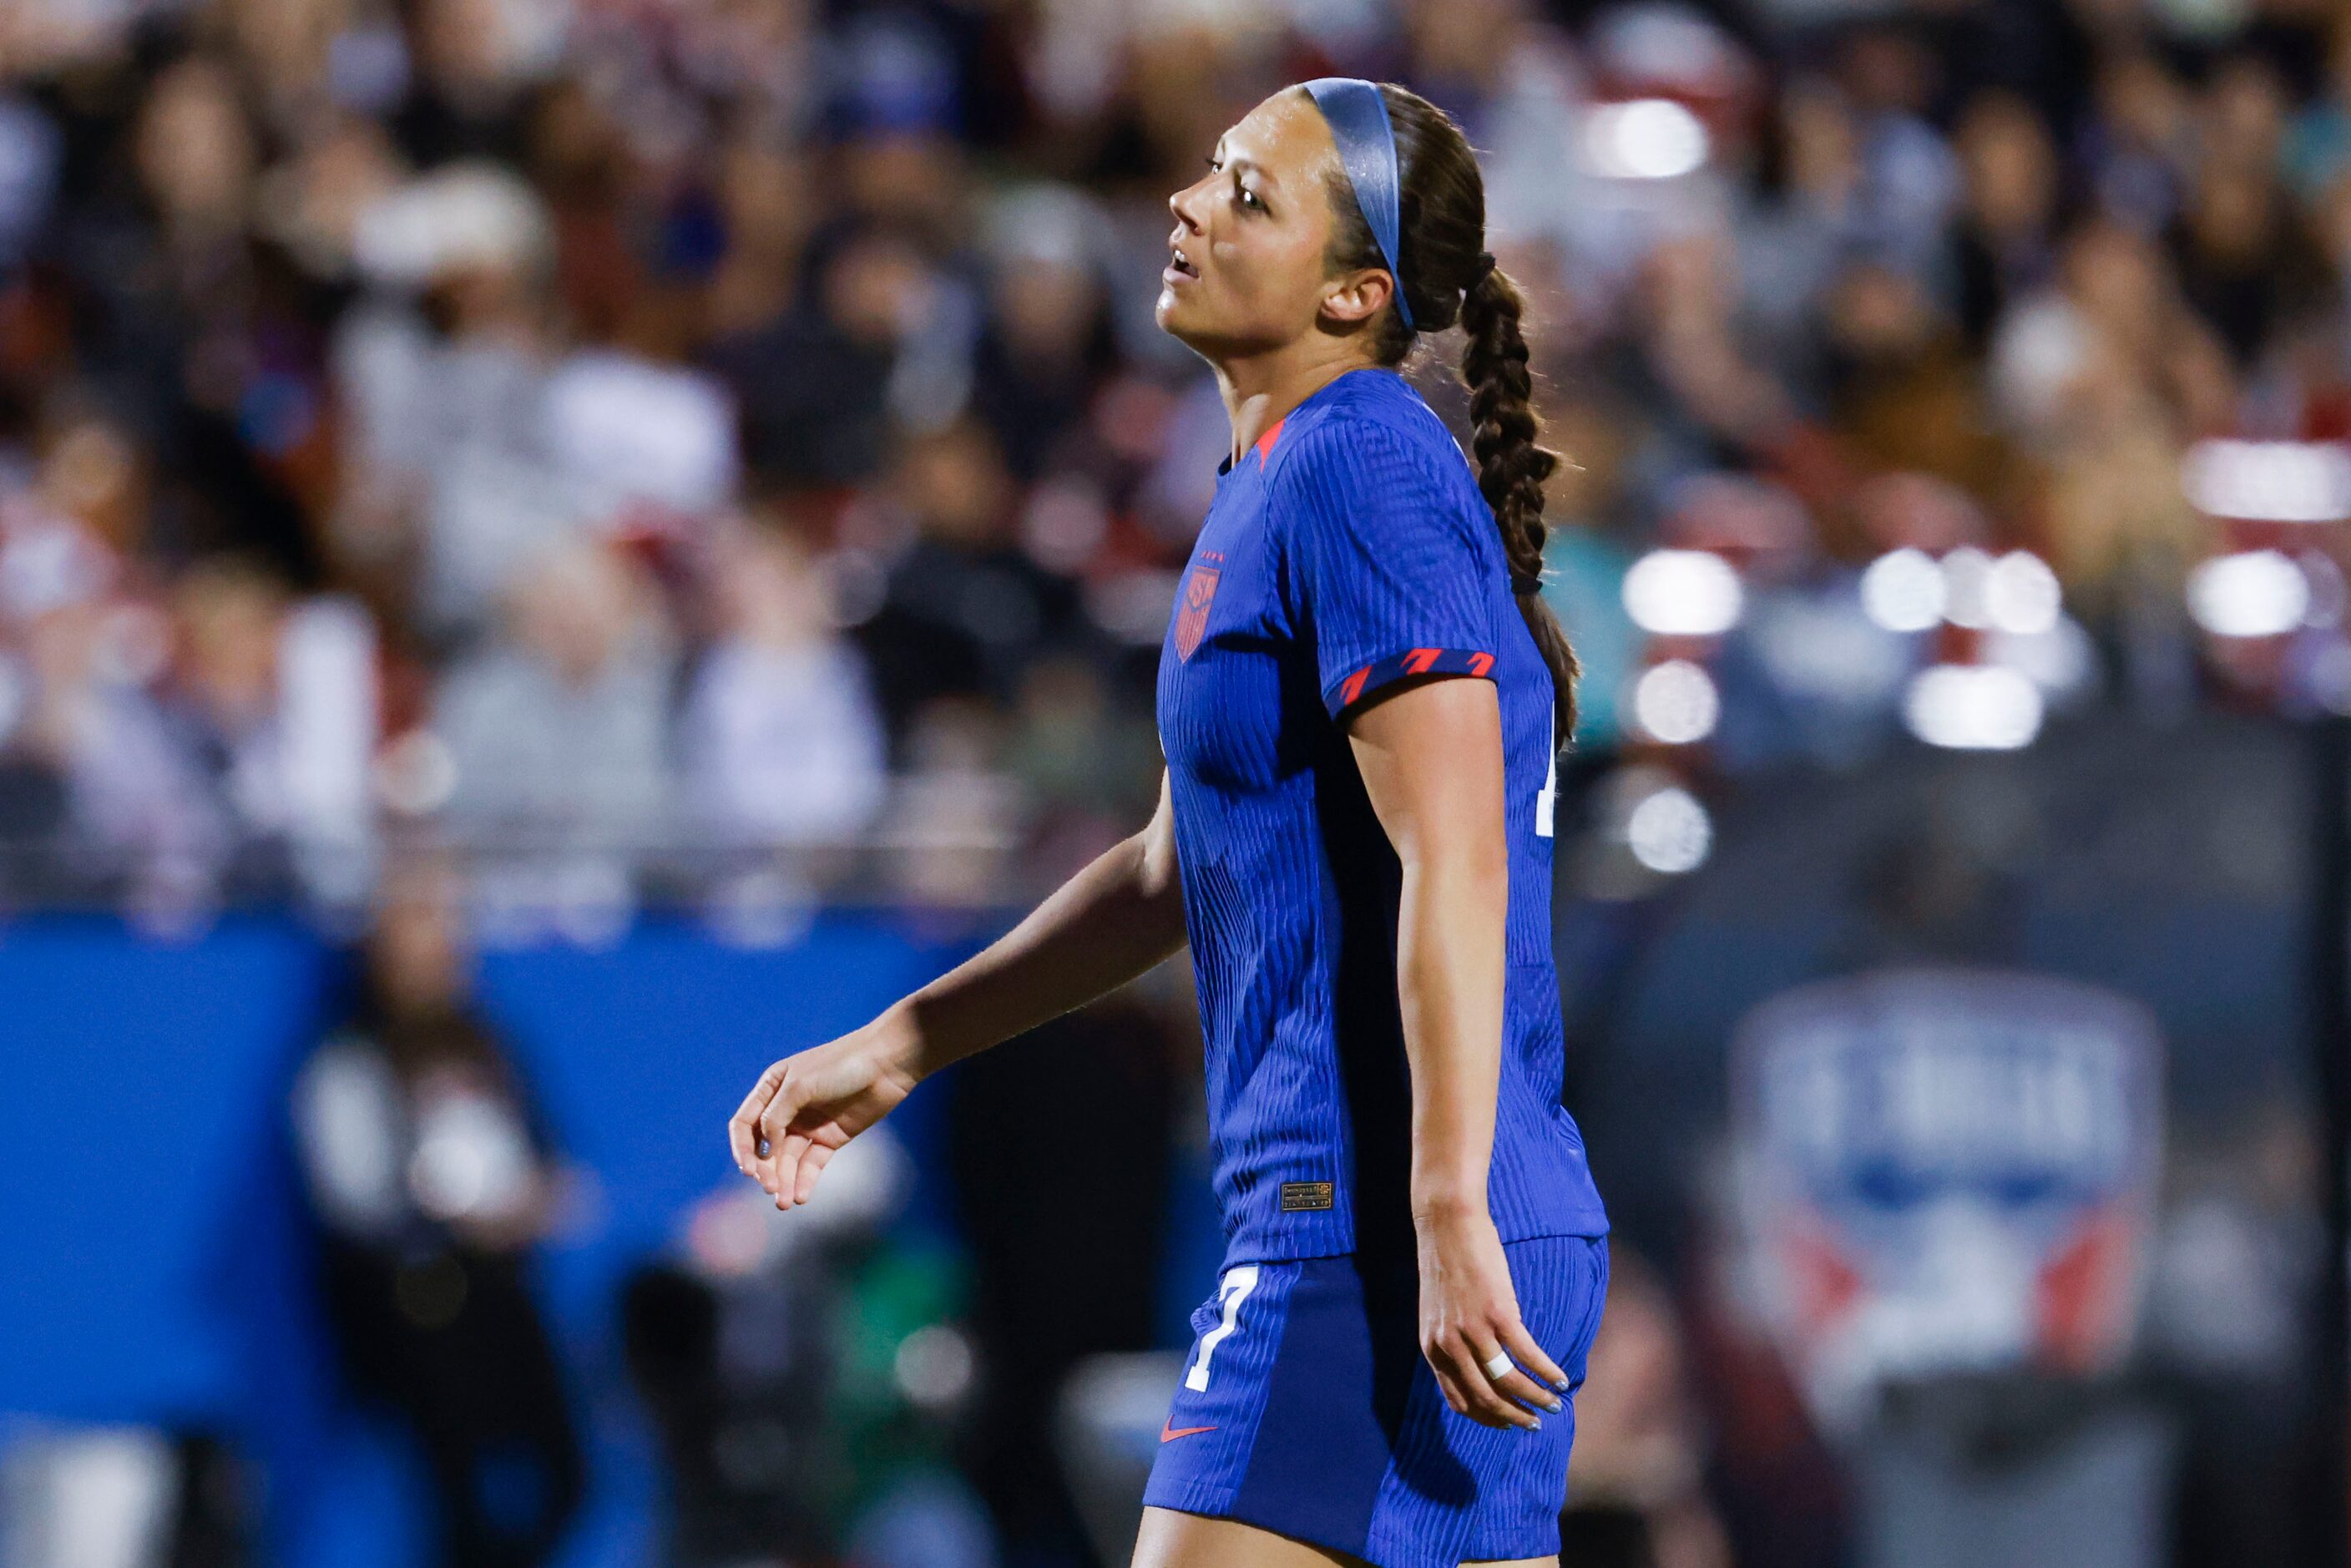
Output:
[[775, 1122], [1487, 1405], [1514, 1384], [742, 1128], [1531, 1355], [1479, 1358], [1517, 1385], [790, 1147], [1447, 1384], [812, 1166], [740, 1143], [769, 1162]]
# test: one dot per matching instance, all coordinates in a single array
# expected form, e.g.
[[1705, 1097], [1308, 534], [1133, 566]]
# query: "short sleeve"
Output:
[[1390, 565]]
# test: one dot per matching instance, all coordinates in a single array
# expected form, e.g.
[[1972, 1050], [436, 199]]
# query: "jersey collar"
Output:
[[1265, 444]]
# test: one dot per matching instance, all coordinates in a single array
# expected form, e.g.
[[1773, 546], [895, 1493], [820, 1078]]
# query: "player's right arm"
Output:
[[1113, 921]]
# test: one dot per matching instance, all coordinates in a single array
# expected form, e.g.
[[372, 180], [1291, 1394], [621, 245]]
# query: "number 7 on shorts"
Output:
[[1235, 1290]]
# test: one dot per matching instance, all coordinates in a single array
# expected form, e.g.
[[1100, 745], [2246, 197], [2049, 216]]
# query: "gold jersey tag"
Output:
[[1297, 1194]]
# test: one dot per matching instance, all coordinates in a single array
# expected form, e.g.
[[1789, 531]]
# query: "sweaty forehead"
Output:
[[1287, 137]]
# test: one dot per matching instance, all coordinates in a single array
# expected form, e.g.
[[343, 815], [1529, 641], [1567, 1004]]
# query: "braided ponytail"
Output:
[[1511, 465], [1448, 278]]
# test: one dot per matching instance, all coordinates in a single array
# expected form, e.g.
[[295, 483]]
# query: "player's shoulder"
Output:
[[1367, 435]]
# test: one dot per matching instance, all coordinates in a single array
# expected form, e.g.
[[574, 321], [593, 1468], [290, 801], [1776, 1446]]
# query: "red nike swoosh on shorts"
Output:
[[1169, 1433]]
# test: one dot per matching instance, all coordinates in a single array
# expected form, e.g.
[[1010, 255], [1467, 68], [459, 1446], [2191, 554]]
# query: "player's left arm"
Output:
[[1430, 753]]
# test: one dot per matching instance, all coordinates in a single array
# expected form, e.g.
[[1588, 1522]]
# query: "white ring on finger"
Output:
[[1500, 1367]]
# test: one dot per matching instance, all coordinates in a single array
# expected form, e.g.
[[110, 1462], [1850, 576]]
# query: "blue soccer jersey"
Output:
[[1348, 548]]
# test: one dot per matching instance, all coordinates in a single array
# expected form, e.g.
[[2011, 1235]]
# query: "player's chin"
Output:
[[1171, 311], [1183, 314]]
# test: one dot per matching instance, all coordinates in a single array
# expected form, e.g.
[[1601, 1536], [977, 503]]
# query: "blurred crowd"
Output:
[[720, 451], [665, 443]]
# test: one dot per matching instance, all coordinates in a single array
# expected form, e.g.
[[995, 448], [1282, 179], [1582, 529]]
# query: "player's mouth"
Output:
[[1179, 269]]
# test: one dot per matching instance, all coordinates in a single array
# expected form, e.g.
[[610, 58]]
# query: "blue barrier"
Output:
[[142, 1148], [153, 1261]]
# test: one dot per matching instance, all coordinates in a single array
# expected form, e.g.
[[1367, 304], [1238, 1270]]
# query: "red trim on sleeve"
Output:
[[1411, 662]]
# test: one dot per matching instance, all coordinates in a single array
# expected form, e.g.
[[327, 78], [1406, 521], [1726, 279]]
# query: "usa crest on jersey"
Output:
[[1199, 592]]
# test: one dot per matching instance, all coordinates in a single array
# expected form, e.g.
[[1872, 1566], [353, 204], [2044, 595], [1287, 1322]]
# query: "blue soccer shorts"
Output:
[[1307, 1409]]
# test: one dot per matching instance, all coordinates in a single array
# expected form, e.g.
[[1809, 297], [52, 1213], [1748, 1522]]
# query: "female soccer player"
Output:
[[1359, 699]]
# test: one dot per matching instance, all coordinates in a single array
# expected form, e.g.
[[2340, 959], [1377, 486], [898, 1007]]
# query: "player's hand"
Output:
[[1469, 1314], [805, 1107]]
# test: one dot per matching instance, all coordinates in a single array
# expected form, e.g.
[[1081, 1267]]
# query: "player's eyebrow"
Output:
[[1235, 165]]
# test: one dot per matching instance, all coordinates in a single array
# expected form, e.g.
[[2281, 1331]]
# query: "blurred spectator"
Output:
[[28, 170], [805, 1375], [956, 812], [766, 207], [1093, 1092], [2005, 239], [2318, 148], [1803, 214], [85, 720], [2245, 253], [779, 743], [116, 1496], [815, 378], [2104, 379], [2136, 149], [455, 483], [1594, 529], [558, 725], [433, 1182], [276, 701], [967, 610], [1088, 768], [1901, 389], [2232, 1270], [402, 305], [1910, 177], [466, 60], [233, 616], [1049, 334]]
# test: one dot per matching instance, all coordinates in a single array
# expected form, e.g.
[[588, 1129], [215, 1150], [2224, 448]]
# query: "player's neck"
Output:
[[1260, 389]]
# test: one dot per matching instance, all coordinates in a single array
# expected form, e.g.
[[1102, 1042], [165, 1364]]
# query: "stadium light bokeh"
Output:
[[2269, 481], [1973, 708], [1683, 594], [1669, 830], [1675, 701], [2249, 593], [1645, 139], [1902, 590]]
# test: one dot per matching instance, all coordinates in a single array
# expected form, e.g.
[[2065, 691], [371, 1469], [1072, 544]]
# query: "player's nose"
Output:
[[1183, 206]]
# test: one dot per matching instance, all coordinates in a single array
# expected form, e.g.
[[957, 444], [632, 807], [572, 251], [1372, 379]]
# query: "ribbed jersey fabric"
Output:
[[1348, 549]]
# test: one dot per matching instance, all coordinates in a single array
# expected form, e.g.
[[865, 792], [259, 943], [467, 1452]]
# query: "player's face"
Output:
[[1245, 273]]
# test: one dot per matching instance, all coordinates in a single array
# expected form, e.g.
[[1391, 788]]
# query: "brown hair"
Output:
[[1448, 278]]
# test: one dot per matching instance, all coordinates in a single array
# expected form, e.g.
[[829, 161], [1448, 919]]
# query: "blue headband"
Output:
[[1358, 117]]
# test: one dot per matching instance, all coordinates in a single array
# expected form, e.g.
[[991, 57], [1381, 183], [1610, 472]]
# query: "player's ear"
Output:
[[1357, 296]]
